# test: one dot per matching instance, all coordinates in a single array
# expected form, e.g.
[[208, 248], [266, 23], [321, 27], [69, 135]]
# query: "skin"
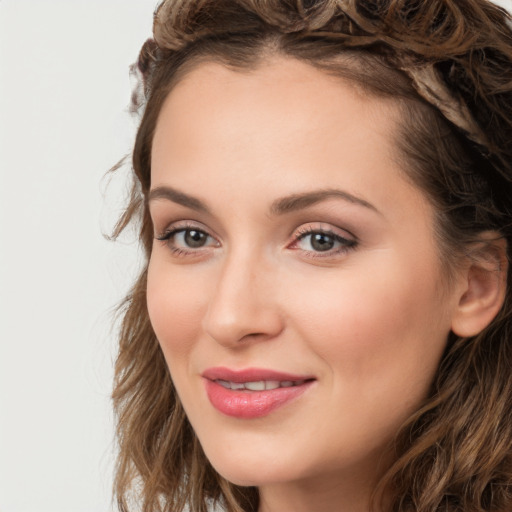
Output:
[[368, 319]]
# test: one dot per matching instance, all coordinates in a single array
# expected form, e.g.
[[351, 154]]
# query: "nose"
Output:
[[243, 305]]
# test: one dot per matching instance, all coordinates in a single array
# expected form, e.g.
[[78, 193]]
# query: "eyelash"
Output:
[[168, 235], [346, 243]]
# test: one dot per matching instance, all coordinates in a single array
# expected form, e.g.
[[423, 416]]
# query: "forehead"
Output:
[[282, 128], [282, 100], [278, 81]]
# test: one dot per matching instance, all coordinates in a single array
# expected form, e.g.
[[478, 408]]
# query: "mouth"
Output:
[[259, 385], [252, 393]]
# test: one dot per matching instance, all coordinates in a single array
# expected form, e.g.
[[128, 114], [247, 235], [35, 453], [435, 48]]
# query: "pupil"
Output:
[[194, 238], [321, 242]]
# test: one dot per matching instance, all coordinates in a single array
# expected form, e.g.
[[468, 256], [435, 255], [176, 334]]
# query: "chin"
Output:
[[242, 480], [254, 468], [246, 476]]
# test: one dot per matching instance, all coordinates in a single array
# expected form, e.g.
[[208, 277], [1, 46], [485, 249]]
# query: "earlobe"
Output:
[[484, 283]]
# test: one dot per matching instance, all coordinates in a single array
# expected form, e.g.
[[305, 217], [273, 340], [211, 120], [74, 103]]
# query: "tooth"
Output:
[[237, 385], [271, 384], [255, 386], [224, 383], [286, 384]]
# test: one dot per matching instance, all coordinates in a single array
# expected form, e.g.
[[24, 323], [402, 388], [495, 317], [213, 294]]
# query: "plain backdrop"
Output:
[[64, 93]]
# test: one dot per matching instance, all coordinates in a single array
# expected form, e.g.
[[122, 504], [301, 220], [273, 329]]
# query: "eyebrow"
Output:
[[178, 197], [280, 206], [303, 200]]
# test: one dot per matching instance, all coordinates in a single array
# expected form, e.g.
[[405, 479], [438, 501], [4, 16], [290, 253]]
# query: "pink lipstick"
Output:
[[253, 392]]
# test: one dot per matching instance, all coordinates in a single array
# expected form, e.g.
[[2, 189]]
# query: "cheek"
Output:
[[377, 330], [175, 307]]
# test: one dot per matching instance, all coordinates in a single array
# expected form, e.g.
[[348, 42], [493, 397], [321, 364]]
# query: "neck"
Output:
[[325, 494]]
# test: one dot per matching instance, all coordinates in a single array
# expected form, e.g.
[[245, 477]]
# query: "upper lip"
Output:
[[251, 375]]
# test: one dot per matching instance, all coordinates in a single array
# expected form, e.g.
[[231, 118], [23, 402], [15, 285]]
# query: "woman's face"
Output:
[[295, 257]]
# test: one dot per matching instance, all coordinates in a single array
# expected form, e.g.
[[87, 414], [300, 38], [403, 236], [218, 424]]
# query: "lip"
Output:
[[251, 375], [251, 404]]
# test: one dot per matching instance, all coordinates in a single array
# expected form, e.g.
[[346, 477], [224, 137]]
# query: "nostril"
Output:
[[247, 323], [253, 336]]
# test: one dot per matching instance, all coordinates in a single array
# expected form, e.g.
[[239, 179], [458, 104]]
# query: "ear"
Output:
[[483, 286]]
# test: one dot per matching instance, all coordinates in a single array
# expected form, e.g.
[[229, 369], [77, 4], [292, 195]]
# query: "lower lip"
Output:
[[251, 404]]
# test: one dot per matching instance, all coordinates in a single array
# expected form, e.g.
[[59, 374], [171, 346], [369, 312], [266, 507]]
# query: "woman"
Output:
[[322, 324]]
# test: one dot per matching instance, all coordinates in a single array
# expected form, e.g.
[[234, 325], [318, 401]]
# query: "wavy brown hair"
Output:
[[447, 64]]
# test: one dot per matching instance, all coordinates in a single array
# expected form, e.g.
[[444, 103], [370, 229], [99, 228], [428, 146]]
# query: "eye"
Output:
[[192, 238], [322, 242], [186, 240]]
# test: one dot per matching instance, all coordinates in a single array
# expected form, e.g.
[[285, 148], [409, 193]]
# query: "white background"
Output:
[[64, 92]]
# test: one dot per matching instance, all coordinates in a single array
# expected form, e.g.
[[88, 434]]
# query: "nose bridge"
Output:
[[241, 305]]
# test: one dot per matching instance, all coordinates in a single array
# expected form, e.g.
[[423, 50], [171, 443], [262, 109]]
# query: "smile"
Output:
[[252, 393], [259, 385]]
